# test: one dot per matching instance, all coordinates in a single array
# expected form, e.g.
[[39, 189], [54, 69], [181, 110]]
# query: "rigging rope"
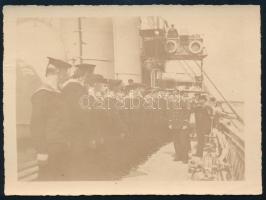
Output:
[[187, 71], [190, 68], [220, 93], [206, 87]]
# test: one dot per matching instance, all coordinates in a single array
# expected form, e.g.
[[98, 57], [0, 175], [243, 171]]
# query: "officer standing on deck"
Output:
[[47, 122], [203, 123], [181, 127]]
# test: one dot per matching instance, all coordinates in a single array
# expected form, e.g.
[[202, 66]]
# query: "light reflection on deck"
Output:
[[160, 167]]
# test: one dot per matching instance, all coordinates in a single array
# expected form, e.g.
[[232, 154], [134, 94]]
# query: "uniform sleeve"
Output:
[[38, 122], [73, 93]]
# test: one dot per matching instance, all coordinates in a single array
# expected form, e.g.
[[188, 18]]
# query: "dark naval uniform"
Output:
[[77, 127], [47, 124], [181, 130], [203, 125], [72, 94]]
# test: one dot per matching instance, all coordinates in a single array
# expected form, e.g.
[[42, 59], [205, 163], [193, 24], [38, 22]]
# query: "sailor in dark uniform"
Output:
[[118, 126], [203, 123], [74, 94], [116, 133], [98, 126], [163, 117], [47, 123], [97, 101], [181, 130]]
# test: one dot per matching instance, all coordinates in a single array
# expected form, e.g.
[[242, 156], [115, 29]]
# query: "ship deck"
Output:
[[160, 167]]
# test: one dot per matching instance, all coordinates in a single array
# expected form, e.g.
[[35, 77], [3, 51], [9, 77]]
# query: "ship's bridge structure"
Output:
[[167, 53]]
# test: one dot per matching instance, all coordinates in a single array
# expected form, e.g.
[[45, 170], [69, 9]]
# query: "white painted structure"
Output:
[[127, 45]]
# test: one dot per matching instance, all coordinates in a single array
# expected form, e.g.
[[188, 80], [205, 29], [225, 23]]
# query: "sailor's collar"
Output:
[[47, 87], [71, 81]]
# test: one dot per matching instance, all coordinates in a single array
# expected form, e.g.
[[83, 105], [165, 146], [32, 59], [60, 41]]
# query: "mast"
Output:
[[80, 40]]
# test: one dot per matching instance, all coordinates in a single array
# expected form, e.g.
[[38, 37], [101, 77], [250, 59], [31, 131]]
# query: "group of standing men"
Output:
[[198, 117], [58, 121], [80, 131], [85, 127]]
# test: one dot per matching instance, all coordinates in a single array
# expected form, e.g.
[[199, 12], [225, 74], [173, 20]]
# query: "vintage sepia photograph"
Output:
[[132, 98]]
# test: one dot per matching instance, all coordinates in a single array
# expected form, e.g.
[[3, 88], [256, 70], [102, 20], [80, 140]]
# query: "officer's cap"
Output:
[[140, 85], [203, 97], [114, 83], [86, 67], [58, 63], [97, 78], [54, 64], [134, 86]]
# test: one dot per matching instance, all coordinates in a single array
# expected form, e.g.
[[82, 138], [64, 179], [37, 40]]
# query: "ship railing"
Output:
[[229, 136], [232, 153]]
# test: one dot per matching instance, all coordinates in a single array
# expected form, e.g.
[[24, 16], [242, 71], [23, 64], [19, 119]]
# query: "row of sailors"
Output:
[[73, 142], [81, 124]]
